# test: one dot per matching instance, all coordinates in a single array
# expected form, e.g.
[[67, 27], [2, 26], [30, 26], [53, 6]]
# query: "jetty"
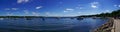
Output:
[[113, 25]]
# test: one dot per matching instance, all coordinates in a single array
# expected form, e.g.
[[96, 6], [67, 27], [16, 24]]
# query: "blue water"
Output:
[[49, 24]]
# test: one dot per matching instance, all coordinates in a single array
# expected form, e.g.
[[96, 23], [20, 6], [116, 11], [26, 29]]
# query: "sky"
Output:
[[56, 7]]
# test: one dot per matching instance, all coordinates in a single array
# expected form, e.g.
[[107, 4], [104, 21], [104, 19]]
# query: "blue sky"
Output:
[[56, 7]]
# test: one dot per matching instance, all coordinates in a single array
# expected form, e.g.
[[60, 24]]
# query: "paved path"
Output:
[[117, 25]]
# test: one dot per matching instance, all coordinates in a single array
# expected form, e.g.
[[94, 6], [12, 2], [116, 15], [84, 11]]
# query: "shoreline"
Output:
[[111, 26]]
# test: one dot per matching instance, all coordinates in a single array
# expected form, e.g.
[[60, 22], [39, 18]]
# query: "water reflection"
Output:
[[43, 19], [80, 18], [28, 18], [50, 24], [1, 18]]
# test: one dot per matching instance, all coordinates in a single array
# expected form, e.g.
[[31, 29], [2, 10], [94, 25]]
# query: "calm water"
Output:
[[49, 24]]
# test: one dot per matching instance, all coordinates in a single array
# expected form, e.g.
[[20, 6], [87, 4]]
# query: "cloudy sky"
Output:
[[56, 7]]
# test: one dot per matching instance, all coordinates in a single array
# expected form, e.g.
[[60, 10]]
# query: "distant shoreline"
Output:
[[20, 16], [30, 17]]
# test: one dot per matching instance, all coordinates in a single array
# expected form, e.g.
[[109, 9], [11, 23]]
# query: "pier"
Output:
[[113, 25]]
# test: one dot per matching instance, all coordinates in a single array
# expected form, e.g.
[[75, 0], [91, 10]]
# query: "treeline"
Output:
[[112, 14]]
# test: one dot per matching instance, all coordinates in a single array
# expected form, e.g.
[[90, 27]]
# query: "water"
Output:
[[49, 24]]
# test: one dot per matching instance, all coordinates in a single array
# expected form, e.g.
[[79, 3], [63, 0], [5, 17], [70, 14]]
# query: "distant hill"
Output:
[[113, 14]]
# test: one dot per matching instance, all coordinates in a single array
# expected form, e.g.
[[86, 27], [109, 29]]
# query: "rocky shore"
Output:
[[107, 27]]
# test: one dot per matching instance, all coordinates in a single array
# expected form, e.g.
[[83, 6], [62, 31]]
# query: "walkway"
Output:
[[117, 25]]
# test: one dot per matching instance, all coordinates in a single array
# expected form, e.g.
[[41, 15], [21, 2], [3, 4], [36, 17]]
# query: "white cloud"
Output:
[[107, 11], [51, 14], [79, 7], [94, 4], [65, 11], [31, 13], [115, 5], [35, 14], [14, 8], [79, 12], [118, 5], [38, 7], [26, 12], [9, 14], [22, 1], [7, 8], [47, 13], [68, 10], [11, 8]]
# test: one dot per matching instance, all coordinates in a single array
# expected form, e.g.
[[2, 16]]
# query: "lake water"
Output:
[[49, 24]]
